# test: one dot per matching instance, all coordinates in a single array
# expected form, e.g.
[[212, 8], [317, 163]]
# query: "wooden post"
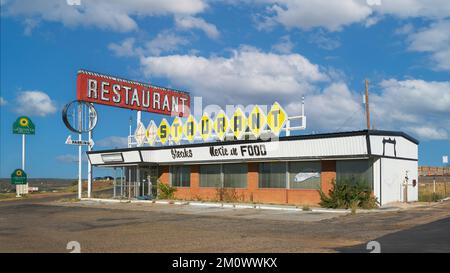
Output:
[[367, 105]]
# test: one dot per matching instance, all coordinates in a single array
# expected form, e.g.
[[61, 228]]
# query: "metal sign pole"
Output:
[[79, 152], [89, 149]]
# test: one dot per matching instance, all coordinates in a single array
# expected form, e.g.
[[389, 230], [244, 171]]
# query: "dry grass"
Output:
[[427, 194]]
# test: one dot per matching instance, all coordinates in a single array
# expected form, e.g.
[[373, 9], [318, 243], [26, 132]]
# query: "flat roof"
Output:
[[284, 138]]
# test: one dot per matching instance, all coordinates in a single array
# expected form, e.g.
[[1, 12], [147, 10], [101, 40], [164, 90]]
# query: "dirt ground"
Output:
[[46, 225]]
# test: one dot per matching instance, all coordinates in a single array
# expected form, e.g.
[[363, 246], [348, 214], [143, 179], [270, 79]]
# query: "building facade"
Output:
[[290, 170]]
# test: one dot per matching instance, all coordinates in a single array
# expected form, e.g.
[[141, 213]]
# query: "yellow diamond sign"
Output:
[[163, 131], [190, 128], [176, 130], [238, 123], [221, 125], [256, 121], [205, 126], [276, 118], [151, 133]]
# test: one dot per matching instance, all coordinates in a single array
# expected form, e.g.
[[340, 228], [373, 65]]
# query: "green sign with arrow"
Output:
[[18, 177], [23, 126]]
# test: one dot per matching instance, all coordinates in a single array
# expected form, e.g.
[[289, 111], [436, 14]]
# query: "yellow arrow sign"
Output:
[[256, 121], [176, 130], [205, 126], [276, 118], [238, 123], [190, 128], [163, 131], [221, 125]]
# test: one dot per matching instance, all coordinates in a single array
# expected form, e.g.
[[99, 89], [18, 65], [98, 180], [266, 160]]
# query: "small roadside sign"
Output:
[[71, 141], [23, 126], [19, 177]]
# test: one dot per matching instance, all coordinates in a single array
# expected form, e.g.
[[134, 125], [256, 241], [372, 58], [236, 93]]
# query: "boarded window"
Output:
[[210, 176], [272, 175], [235, 175]]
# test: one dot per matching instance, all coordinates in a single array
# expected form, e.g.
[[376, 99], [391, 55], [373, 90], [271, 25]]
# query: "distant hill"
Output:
[[44, 184]]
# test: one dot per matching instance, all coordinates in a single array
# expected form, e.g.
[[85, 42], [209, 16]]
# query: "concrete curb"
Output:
[[221, 205]]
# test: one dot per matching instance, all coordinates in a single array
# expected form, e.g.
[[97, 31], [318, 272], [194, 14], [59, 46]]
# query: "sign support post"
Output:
[[80, 186], [89, 149]]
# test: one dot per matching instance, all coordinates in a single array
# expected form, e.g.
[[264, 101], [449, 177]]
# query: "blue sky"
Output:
[[228, 52]]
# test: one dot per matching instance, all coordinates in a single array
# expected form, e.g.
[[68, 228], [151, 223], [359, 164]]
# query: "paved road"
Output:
[[428, 238], [38, 225]]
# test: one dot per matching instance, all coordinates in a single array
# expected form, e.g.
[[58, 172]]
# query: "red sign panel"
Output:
[[113, 91]]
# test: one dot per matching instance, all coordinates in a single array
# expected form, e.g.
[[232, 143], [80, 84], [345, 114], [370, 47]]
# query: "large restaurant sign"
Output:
[[220, 128], [113, 91]]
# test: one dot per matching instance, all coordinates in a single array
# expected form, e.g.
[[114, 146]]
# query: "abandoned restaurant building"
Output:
[[202, 159], [288, 171]]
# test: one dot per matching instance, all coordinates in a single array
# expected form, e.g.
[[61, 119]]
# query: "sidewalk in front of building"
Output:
[[277, 207]]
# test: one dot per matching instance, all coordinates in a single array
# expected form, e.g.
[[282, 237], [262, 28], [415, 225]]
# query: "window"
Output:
[[272, 175], [304, 175], [181, 176], [210, 176], [354, 172], [235, 175]]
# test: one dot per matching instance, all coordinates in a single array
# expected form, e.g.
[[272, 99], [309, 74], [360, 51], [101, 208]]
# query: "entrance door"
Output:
[[149, 177]]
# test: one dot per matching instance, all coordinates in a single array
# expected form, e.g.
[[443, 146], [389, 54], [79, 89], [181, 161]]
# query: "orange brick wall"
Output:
[[252, 193]]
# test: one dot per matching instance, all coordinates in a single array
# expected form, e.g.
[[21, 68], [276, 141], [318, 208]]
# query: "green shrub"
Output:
[[166, 191], [345, 195]]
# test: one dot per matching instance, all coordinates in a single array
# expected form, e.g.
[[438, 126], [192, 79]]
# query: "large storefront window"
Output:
[[210, 176], [304, 175], [354, 172], [272, 175], [235, 175], [181, 176]]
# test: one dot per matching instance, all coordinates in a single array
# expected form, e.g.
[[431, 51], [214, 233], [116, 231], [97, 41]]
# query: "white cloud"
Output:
[[418, 106], [333, 15], [189, 22], [70, 158], [34, 103], [434, 39], [2, 101], [124, 49], [165, 42], [431, 9], [284, 46], [323, 41], [335, 108], [116, 15], [307, 14], [248, 74], [113, 141]]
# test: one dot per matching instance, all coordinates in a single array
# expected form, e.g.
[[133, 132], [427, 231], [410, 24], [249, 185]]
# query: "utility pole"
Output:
[[367, 105]]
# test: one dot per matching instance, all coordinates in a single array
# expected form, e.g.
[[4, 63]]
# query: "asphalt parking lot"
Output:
[[47, 225]]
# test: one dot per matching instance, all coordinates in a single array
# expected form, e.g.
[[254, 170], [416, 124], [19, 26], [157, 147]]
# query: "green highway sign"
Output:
[[18, 177], [23, 126]]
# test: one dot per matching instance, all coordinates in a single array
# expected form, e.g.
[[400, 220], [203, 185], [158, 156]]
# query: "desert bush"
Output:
[[166, 191], [348, 195]]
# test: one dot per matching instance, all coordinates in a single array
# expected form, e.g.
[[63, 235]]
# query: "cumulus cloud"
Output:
[[248, 74], [414, 105], [333, 15], [190, 22], [307, 14], [124, 49], [113, 142], [71, 158], [34, 103], [115, 15], [284, 46], [434, 39], [165, 42]]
